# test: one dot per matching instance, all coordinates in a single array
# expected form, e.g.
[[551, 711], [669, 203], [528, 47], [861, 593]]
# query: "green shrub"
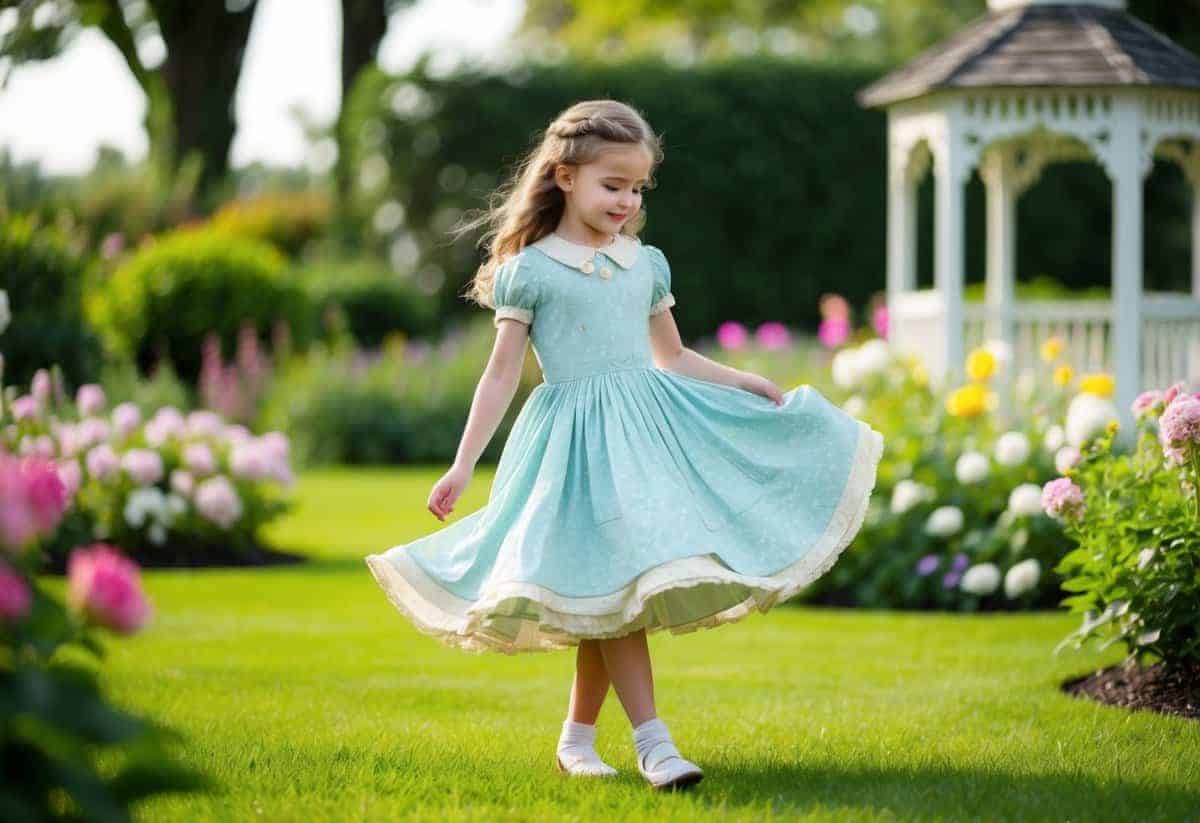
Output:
[[43, 277], [375, 300], [287, 220], [182, 285]]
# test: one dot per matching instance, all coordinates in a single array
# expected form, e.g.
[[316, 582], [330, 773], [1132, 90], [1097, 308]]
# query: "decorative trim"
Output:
[[662, 305], [515, 312], [548, 620]]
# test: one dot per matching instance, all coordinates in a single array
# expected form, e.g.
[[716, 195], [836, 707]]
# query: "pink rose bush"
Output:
[[1135, 518]]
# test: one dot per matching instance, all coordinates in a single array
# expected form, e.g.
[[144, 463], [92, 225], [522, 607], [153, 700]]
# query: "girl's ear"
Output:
[[564, 176]]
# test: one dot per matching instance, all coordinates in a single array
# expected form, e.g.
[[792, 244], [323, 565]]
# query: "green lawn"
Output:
[[309, 698]]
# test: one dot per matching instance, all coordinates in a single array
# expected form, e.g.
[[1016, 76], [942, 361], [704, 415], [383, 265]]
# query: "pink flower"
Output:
[[167, 422], [1061, 498], [834, 306], [1179, 428], [32, 500], [217, 500], [105, 586], [833, 331], [182, 482], [145, 466], [112, 244], [1145, 402], [126, 417], [89, 399], [47, 493], [40, 388], [879, 320], [772, 335], [102, 462], [1170, 394], [92, 430], [204, 422], [731, 335], [71, 475], [15, 598], [25, 407], [199, 459]]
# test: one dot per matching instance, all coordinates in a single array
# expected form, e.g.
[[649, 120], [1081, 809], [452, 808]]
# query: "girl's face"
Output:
[[606, 193]]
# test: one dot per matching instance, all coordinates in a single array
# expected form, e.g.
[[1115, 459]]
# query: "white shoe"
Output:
[[665, 768], [577, 766]]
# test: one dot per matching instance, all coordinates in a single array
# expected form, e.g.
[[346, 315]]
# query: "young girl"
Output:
[[642, 486]]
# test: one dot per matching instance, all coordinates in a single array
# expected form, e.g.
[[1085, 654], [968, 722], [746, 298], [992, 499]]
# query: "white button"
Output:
[[606, 272], [587, 267]]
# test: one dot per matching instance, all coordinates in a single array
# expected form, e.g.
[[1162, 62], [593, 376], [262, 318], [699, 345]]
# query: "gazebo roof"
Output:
[[1042, 45]]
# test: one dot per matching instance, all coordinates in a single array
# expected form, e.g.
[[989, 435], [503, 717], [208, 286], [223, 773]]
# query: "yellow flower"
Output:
[[920, 375], [981, 364], [1099, 384], [971, 400], [1063, 375], [1052, 347]]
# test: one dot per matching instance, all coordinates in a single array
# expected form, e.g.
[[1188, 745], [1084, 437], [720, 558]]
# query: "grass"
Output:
[[309, 698]]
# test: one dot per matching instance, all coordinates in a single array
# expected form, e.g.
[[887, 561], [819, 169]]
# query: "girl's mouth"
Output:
[[616, 216]]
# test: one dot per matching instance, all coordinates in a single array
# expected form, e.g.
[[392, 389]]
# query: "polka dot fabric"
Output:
[[629, 496]]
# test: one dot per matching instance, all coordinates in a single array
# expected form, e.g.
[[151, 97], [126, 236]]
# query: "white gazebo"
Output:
[[1030, 83]]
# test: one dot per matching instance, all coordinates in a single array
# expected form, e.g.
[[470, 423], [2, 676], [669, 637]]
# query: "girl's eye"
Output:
[[636, 191]]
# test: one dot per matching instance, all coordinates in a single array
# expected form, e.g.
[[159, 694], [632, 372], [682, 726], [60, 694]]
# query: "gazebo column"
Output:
[[999, 177], [948, 256], [902, 235], [1126, 173]]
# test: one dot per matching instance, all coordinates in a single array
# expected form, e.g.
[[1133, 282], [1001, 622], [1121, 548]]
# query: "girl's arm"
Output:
[[670, 354]]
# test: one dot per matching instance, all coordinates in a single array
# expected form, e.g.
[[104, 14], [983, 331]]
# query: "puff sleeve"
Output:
[[514, 291], [661, 298]]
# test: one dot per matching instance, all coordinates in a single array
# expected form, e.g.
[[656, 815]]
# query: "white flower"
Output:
[[1066, 459], [971, 467], [5, 314], [143, 502], [1054, 438], [1148, 637], [1000, 350], [845, 368], [1022, 577], [1026, 499], [1026, 385], [176, 505], [981, 579], [850, 366], [157, 534], [944, 521], [873, 356], [1144, 557], [1012, 449], [1087, 415], [909, 493], [854, 405]]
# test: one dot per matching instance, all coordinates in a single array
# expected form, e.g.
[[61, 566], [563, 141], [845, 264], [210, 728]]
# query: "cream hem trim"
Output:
[[515, 312], [662, 305], [561, 621]]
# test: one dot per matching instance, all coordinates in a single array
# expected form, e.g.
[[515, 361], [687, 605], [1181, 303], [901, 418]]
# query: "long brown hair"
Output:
[[530, 204]]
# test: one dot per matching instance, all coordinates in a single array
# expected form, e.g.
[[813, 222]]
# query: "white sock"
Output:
[[577, 749], [648, 733]]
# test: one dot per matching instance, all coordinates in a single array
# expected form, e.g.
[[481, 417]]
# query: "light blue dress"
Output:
[[629, 496]]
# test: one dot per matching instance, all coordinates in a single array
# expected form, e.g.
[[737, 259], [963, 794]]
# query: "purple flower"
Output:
[[950, 579], [731, 335], [961, 561], [927, 564], [1061, 498], [833, 331], [773, 335]]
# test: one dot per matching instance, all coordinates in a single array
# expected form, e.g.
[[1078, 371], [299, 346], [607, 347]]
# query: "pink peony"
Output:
[[1061, 498], [167, 422], [217, 500], [833, 331], [15, 598], [102, 462], [46, 492], [145, 466], [1179, 428], [126, 417], [92, 430], [25, 407], [731, 335], [105, 587], [32, 500], [879, 320], [89, 399], [199, 459], [182, 482], [772, 335], [204, 422], [1170, 394], [41, 386], [71, 475]]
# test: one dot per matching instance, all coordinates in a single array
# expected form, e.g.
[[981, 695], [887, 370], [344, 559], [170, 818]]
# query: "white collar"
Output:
[[623, 249]]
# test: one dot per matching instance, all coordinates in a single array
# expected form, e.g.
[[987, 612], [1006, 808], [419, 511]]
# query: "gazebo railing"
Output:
[[1170, 333]]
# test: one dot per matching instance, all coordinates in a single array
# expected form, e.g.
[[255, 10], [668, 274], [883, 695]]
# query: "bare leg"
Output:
[[627, 660], [590, 686]]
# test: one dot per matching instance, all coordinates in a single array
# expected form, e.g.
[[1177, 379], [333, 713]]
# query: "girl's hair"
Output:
[[530, 204]]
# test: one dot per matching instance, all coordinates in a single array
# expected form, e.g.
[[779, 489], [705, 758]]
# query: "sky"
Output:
[[291, 60]]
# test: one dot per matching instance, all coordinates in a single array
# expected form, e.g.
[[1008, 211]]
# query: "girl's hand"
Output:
[[447, 490], [761, 385]]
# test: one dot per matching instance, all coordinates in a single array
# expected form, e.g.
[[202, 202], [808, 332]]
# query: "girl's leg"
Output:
[[591, 683], [627, 661]]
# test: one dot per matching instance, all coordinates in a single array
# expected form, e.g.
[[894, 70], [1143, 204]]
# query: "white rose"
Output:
[[982, 578], [944, 521], [1012, 449], [909, 493], [971, 467], [873, 356], [1022, 577], [1026, 499], [1054, 438], [845, 368], [1087, 415], [1066, 459]]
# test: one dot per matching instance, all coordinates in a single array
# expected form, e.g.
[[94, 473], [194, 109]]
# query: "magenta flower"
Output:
[[731, 335], [833, 331], [105, 587], [1061, 499], [879, 320], [1179, 428], [15, 598], [89, 399], [32, 500], [772, 335]]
